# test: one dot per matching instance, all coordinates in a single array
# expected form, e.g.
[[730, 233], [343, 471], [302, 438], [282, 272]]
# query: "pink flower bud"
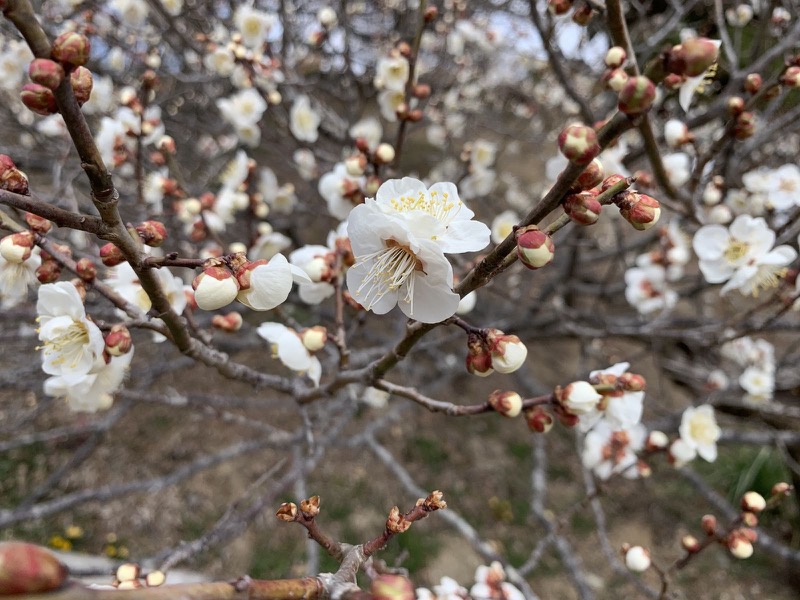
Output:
[[37, 224], [582, 208], [72, 48], [559, 7], [16, 248], [314, 338], [507, 403], [583, 14], [539, 420], [479, 358], [637, 559], [739, 546], [508, 352], [214, 288], [709, 524], [230, 322], [752, 83], [791, 77], [631, 382], [29, 569], [745, 126], [781, 489], [421, 91], [392, 587], [86, 270], [615, 57], [13, 180], [637, 95], [592, 175], [753, 502], [38, 99], [46, 72], [749, 519], [673, 81], [110, 255], [535, 248], [118, 341], [82, 82], [611, 181], [692, 57], [640, 210], [735, 105], [152, 233], [615, 79], [48, 272], [690, 544], [578, 143], [578, 398]]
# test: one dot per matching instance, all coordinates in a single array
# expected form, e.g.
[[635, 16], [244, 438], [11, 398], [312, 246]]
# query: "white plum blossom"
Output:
[[172, 7], [503, 225], [783, 187], [72, 345], [742, 255], [490, 584], [399, 240], [312, 259], [483, 154], [608, 450], [93, 391], [220, 61], [288, 347], [282, 199], [647, 289], [679, 168], [448, 589], [369, 129], [244, 110], [268, 243], [303, 120], [271, 283], [392, 73], [17, 277], [480, 182], [335, 186], [700, 432], [133, 12], [306, 163], [254, 25], [675, 133], [388, 102], [758, 382], [622, 409]]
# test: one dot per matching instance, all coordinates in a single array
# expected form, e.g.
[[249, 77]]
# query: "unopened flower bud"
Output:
[[735, 105], [391, 587], [690, 544], [591, 176], [539, 420], [631, 382], [128, 572], [745, 126], [673, 81], [740, 547], [750, 519], [479, 358], [155, 578], [327, 17], [72, 48], [791, 77], [582, 14], [753, 502], [507, 403], [314, 338], [637, 95], [583, 208], [396, 522], [37, 224], [421, 91], [578, 143], [118, 340], [29, 569], [559, 7], [640, 210], [752, 83], [384, 153], [230, 322], [86, 269], [615, 79], [657, 440], [615, 57], [152, 233], [38, 99], [676, 133], [11, 178], [214, 288], [16, 248], [578, 398], [111, 255], [431, 14], [356, 165], [611, 181], [535, 248], [781, 489], [82, 82], [508, 352], [166, 144], [692, 57], [720, 214], [709, 524], [637, 559], [46, 72], [48, 272], [287, 512]]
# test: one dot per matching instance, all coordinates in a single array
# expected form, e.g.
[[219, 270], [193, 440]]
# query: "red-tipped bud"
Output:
[[739, 546], [507, 403], [539, 420], [582, 208], [692, 57], [735, 105], [431, 14], [640, 210], [637, 95], [421, 91], [615, 57], [559, 7], [86, 270], [17, 247], [508, 352], [673, 81], [753, 502], [535, 248], [72, 48], [781, 489], [214, 288], [230, 322], [244, 271], [110, 255], [592, 176], [391, 587], [752, 83], [46, 72], [690, 544], [631, 382], [38, 99], [709, 524], [745, 126], [29, 569], [479, 358], [82, 82], [38, 224], [578, 143], [11, 178], [314, 338], [791, 77], [152, 233], [611, 181], [583, 14], [118, 341], [166, 144], [48, 272]]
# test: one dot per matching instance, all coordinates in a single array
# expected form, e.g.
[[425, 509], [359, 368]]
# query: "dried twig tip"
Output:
[[287, 512], [434, 501], [310, 507]]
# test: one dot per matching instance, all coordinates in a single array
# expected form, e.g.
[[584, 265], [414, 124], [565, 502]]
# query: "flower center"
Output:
[[702, 431], [69, 343], [736, 250], [767, 277], [433, 203], [394, 267]]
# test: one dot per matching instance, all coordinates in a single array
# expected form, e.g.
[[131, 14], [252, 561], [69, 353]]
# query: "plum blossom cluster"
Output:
[[755, 358], [490, 584], [399, 241]]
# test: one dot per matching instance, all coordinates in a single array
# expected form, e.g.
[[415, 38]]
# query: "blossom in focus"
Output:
[[399, 240], [289, 349], [700, 432], [392, 73], [304, 120], [742, 255], [72, 345], [270, 283]]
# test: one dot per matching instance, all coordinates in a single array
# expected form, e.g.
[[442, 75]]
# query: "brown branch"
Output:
[[59, 216]]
